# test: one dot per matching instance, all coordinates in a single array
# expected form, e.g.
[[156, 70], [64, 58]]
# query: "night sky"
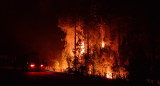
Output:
[[30, 26]]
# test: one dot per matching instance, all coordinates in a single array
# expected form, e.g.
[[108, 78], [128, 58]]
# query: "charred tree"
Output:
[[75, 62]]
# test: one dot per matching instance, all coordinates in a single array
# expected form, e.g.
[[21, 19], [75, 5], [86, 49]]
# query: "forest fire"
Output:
[[80, 42], [90, 50]]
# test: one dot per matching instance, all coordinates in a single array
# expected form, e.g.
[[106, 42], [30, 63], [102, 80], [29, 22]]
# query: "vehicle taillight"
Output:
[[41, 65], [32, 65]]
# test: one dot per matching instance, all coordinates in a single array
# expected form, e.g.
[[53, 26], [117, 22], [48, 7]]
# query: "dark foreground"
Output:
[[18, 78]]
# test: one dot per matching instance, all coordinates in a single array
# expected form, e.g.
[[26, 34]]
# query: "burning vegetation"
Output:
[[91, 49]]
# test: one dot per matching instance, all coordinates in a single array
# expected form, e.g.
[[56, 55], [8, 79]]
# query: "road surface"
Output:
[[17, 78]]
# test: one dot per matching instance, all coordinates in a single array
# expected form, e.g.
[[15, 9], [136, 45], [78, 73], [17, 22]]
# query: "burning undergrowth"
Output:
[[90, 49]]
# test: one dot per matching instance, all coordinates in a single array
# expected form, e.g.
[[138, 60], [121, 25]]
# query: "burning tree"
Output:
[[92, 48]]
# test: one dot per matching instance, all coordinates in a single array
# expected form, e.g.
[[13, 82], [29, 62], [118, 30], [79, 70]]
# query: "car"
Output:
[[33, 64]]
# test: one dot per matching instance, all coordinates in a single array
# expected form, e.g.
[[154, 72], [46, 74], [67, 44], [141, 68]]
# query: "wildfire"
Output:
[[102, 62]]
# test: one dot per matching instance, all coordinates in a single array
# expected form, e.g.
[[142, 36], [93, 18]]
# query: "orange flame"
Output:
[[101, 64], [109, 75], [82, 48], [103, 44]]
